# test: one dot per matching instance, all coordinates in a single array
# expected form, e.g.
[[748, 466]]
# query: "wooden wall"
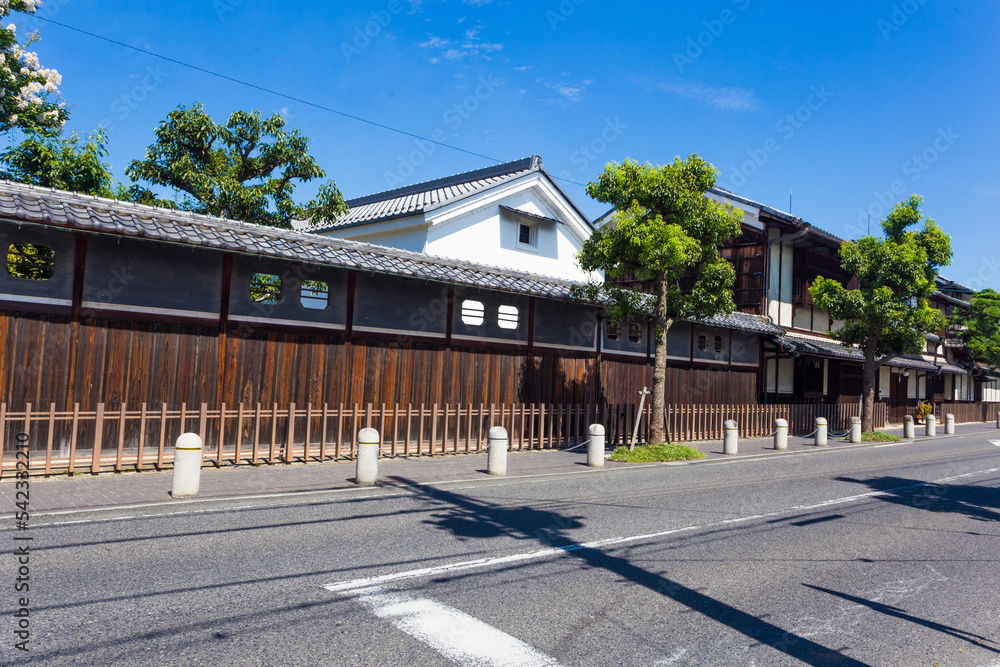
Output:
[[114, 361]]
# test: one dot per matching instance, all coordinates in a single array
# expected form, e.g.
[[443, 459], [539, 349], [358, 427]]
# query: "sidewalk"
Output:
[[64, 493]]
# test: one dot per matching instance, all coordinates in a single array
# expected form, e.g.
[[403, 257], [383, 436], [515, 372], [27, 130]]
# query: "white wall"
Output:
[[779, 305], [486, 236]]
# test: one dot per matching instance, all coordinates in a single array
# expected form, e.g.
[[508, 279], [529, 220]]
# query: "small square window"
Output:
[[265, 288], [527, 236], [507, 317], [30, 261], [634, 333], [613, 331], [473, 313], [718, 344], [315, 294], [702, 342]]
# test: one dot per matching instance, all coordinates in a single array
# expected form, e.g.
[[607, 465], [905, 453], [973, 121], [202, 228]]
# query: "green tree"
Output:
[[981, 323], [665, 229], [72, 163], [888, 315], [245, 169], [27, 90]]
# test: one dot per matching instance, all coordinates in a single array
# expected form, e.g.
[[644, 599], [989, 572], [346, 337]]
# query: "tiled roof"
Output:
[[745, 322], [429, 195], [837, 350]]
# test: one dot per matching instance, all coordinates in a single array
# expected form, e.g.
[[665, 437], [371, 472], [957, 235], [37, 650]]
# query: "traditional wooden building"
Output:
[[108, 302]]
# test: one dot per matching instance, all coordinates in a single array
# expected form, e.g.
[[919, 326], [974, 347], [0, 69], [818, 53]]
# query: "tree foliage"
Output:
[[72, 163], [28, 91], [888, 315], [981, 327], [245, 169], [665, 230]]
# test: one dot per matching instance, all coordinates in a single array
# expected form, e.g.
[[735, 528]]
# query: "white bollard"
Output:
[[595, 446], [855, 429], [780, 434], [931, 421], [731, 439], [949, 424], [908, 431], [820, 432], [187, 466], [366, 470], [496, 463]]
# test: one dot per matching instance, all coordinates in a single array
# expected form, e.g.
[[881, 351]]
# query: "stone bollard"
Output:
[[820, 432], [855, 429], [998, 420], [780, 434], [949, 424], [595, 446], [931, 421], [187, 466], [908, 431], [366, 472], [731, 439], [496, 462]]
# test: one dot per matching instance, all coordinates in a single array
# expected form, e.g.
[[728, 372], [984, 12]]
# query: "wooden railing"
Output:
[[141, 437], [967, 412]]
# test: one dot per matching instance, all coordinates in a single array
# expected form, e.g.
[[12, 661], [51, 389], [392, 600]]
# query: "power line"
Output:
[[277, 93]]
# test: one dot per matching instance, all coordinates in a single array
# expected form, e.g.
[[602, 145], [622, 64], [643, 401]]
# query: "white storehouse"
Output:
[[512, 215]]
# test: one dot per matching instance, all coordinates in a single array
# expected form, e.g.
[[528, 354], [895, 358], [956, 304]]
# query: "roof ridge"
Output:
[[523, 164]]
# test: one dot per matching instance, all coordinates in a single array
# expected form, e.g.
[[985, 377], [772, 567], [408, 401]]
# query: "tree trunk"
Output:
[[869, 376], [657, 430]]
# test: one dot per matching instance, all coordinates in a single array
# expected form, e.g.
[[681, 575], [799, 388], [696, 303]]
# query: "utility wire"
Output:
[[277, 93]]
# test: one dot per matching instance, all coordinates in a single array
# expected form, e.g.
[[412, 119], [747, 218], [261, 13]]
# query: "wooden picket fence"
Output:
[[141, 438]]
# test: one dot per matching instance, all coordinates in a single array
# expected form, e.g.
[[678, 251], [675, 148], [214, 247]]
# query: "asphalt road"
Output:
[[874, 556]]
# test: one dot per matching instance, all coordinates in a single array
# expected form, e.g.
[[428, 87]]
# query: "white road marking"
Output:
[[456, 635], [485, 563], [995, 442]]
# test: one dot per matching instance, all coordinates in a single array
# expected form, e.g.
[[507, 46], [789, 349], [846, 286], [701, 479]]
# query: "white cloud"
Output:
[[434, 42], [729, 98], [567, 93], [470, 45], [524, 68]]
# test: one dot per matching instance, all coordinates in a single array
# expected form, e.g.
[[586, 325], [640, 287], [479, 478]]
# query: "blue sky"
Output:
[[848, 106]]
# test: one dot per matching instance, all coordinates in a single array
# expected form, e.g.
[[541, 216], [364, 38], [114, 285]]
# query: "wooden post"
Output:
[[27, 426], [121, 439], [203, 422], [239, 434], [305, 447], [95, 460], [256, 435], [409, 432], [274, 432], [222, 436], [434, 425], [290, 438], [72, 437], [142, 437], [322, 438], [48, 445], [163, 435]]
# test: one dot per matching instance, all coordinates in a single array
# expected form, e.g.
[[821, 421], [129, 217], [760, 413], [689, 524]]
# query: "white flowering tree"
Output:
[[27, 90]]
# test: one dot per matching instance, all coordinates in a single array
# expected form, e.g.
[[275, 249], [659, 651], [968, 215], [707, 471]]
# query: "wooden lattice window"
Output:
[[30, 261], [315, 294], [265, 288]]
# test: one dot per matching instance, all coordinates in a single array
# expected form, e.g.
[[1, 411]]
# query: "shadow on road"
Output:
[[900, 613], [977, 502], [465, 518]]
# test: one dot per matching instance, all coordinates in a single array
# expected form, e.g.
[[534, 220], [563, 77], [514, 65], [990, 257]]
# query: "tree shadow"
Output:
[[901, 614], [459, 515], [976, 502]]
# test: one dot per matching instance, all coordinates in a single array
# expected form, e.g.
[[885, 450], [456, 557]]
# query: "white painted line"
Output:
[[995, 442], [486, 563], [456, 635]]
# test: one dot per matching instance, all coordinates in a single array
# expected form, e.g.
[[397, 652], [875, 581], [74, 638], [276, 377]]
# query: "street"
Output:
[[882, 555]]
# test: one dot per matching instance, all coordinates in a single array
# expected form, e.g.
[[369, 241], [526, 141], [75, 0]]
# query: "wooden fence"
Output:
[[141, 438]]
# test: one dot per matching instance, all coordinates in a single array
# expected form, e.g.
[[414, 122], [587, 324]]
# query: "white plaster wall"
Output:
[[485, 236], [780, 275], [403, 233], [883, 381], [991, 392]]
